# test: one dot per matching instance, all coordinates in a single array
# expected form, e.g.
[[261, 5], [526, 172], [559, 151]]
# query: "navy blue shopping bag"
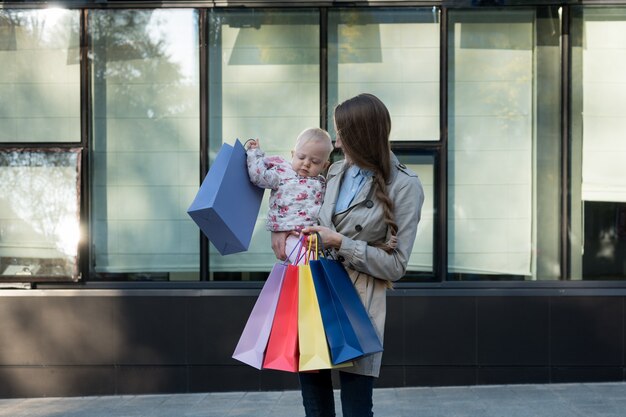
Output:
[[227, 205], [343, 342], [347, 302]]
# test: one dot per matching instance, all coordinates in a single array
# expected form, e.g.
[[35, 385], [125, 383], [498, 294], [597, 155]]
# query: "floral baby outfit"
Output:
[[295, 201]]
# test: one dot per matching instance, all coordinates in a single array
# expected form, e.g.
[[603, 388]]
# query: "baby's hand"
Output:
[[253, 144]]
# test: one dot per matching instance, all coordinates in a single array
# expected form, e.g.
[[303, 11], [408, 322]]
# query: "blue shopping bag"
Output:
[[342, 289], [227, 205], [343, 342]]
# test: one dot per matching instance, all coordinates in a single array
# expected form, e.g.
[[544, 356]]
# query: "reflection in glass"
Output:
[[263, 83], [503, 214], [393, 54], [145, 143], [598, 232], [39, 213], [420, 265], [39, 75]]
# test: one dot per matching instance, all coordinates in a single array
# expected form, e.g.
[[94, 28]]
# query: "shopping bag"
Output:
[[227, 204], [343, 291], [312, 343], [282, 347], [342, 340], [253, 341]]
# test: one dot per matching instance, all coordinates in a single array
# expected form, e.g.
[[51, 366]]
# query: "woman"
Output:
[[369, 219]]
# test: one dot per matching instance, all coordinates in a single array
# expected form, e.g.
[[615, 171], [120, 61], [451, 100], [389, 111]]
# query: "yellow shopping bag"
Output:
[[312, 343], [314, 353]]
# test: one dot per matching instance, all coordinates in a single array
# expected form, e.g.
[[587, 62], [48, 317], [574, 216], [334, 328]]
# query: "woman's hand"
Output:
[[278, 244], [330, 238]]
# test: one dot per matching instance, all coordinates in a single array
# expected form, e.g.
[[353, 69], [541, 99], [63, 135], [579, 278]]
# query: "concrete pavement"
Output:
[[553, 400]]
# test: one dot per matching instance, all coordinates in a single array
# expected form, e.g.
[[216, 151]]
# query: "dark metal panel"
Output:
[[56, 381], [566, 106], [218, 289], [513, 331], [587, 331], [107, 4], [150, 379], [204, 129], [324, 68], [586, 374], [150, 343], [84, 249], [503, 375], [434, 376], [153, 330], [213, 328], [223, 378], [390, 376], [440, 244], [394, 353], [48, 331], [440, 331], [278, 380]]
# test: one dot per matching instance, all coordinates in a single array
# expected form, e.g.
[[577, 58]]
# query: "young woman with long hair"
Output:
[[369, 220]]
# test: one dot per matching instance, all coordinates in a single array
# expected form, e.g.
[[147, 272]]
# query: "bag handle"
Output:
[[299, 247], [323, 251], [310, 253]]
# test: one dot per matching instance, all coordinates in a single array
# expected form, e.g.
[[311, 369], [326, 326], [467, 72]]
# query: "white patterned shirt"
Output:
[[295, 201]]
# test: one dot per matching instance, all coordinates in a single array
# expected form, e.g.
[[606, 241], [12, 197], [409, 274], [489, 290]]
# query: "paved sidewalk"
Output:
[[554, 400]]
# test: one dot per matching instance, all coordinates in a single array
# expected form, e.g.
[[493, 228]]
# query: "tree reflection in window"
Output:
[[39, 214]]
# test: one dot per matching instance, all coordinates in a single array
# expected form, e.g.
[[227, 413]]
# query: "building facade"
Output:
[[111, 112]]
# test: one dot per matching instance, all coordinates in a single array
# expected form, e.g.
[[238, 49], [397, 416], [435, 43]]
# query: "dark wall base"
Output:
[[98, 342]]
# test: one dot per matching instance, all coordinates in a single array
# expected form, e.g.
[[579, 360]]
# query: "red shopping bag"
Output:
[[282, 347]]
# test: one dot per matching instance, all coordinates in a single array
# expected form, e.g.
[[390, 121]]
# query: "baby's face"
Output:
[[309, 159]]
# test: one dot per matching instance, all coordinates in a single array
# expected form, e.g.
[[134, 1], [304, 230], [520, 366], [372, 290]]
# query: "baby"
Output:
[[297, 187]]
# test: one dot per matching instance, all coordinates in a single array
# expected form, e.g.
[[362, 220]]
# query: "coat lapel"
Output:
[[330, 198]]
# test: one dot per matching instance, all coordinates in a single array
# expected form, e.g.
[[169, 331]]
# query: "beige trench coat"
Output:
[[370, 267]]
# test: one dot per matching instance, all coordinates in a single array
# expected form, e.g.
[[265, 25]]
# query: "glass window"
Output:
[[598, 205], [39, 75], [264, 82], [145, 153], [420, 267], [39, 214], [504, 135], [393, 54]]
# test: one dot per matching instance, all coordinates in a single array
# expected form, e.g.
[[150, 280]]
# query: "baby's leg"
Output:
[[294, 250]]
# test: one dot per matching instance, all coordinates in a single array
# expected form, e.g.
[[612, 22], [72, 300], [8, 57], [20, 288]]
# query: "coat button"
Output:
[[358, 227], [369, 204], [341, 258]]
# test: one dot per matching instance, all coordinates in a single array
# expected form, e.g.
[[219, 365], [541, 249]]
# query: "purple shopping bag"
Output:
[[227, 204], [253, 340]]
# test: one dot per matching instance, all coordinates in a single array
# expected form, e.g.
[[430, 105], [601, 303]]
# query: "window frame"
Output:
[[437, 148]]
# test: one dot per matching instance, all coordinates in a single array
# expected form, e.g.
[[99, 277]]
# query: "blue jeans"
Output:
[[318, 399]]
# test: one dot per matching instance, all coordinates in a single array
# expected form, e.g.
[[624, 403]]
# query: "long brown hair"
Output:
[[363, 125]]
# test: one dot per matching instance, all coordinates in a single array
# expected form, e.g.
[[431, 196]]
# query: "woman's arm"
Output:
[[375, 261]]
